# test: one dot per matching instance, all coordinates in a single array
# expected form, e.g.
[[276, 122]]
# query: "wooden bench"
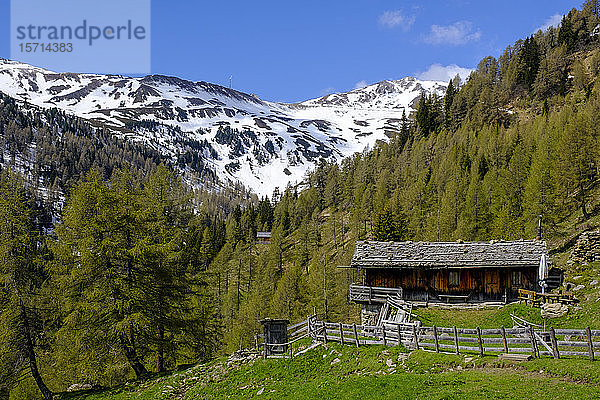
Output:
[[449, 297], [530, 297], [536, 299]]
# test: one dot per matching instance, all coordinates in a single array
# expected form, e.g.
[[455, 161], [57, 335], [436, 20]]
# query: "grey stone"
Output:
[[554, 310]]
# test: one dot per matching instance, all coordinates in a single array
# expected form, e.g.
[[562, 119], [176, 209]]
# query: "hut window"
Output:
[[453, 278], [516, 278]]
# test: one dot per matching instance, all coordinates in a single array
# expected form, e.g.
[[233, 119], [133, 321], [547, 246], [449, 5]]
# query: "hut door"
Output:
[[492, 281]]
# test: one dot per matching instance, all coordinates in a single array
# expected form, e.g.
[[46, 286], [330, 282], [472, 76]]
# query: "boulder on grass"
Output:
[[554, 310]]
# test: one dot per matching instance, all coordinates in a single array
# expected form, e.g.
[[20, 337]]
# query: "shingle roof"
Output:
[[523, 253]]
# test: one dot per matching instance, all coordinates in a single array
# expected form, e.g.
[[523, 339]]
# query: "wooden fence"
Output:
[[520, 340], [372, 294]]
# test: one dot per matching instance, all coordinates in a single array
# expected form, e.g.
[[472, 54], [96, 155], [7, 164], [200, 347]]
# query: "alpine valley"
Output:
[[208, 130]]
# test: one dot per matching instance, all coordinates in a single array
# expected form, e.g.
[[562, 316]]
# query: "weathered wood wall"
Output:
[[479, 283]]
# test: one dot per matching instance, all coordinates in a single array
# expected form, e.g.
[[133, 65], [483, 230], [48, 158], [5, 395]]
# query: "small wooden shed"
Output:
[[447, 271], [275, 332]]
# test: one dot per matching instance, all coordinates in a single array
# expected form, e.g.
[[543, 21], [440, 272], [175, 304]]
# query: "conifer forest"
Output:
[[114, 266]]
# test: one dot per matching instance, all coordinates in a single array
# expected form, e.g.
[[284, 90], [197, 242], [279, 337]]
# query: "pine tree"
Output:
[[404, 130], [566, 35], [448, 100], [528, 63], [389, 227]]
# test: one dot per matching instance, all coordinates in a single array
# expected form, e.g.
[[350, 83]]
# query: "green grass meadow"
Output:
[[374, 372]]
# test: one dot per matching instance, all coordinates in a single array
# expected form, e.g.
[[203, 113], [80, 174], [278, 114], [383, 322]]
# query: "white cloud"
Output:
[[458, 33], [360, 84], [554, 21], [438, 72], [326, 91], [392, 19]]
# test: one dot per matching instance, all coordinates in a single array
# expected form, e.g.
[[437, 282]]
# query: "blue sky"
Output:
[[295, 50]]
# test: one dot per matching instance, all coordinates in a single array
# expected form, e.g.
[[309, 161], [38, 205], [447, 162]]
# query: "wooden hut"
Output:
[[263, 237], [446, 271]]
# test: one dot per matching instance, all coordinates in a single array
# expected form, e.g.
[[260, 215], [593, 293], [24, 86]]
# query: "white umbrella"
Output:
[[543, 271]]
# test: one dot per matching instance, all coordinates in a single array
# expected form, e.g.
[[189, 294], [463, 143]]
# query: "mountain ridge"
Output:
[[262, 144]]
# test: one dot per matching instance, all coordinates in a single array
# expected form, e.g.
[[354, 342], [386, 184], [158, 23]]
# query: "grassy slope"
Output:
[[365, 373], [368, 373]]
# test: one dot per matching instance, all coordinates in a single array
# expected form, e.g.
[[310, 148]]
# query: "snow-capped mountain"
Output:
[[237, 135]]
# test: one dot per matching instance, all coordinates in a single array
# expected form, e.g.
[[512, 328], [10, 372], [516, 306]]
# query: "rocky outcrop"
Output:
[[586, 249]]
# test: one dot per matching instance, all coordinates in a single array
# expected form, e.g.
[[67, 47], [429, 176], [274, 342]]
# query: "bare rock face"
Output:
[[587, 248], [554, 310]]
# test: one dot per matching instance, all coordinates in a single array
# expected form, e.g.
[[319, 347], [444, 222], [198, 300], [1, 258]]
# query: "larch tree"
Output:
[[578, 159], [21, 278], [104, 289]]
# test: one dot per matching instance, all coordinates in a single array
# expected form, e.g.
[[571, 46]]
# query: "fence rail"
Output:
[[517, 340], [372, 294]]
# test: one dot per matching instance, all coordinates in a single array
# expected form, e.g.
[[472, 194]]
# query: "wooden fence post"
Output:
[[455, 339], [341, 333], [415, 337], [504, 341], [555, 351], [291, 351], [384, 337], [533, 343], [588, 333], [325, 332], [435, 337], [355, 334], [479, 342], [399, 335]]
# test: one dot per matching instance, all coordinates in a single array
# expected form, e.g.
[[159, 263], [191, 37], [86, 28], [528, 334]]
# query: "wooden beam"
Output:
[[504, 342], [455, 339], [355, 335], [588, 333], [341, 333], [534, 352], [435, 338], [555, 351], [479, 342], [415, 337]]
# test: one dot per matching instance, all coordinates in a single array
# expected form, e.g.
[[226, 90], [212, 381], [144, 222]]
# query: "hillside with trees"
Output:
[[139, 274]]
